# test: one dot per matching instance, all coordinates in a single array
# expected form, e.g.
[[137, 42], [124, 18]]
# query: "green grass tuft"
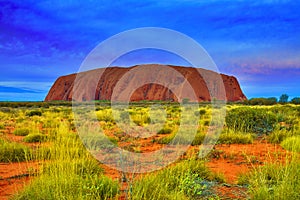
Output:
[[13, 152], [21, 131], [35, 137], [185, 180], [231, 137], [276, 181], [291, 143]]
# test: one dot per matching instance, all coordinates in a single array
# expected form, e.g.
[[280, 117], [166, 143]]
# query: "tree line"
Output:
[[284, 98]]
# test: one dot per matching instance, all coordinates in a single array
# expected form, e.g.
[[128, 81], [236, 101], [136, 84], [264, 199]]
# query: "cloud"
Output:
[[20, 87], [40, 40], [23, 91], [5, 89], [11, 96]]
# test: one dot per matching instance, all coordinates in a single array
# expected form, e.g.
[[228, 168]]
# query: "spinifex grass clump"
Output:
[[105, 115], [140, 116], [165, 130], [253, 120], [199, 138], [34, 113], [69, 173], [2, 125], [289, 125], [234, 137], [70, 186], [292, 143], [13, 152], [21, 131], [278, 135], [276, 181], [185, 180], [35, 137]]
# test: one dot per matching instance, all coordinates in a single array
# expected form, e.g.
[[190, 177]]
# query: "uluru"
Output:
[[104, 83]]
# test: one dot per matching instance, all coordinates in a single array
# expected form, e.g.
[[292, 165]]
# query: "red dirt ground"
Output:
[[235, 159], [9, 183], [231, 192]]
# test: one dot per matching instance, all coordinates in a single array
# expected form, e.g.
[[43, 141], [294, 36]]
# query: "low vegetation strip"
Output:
[[47, 134]]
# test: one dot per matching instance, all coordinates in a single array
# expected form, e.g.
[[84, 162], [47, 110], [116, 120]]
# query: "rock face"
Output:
[[142, 82]]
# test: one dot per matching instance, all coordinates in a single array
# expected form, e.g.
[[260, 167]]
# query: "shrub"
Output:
[[35, 137], [283, 98], [262, 101], [21, 131], [202, 112], [296, 100], [33, 113], [206, 123]]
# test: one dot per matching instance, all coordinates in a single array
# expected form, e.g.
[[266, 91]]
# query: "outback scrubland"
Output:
[[256, 155]]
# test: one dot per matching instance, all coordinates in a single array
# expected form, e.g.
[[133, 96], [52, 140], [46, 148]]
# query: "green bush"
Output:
[[262, 101], [206, 123], [21, 131], [35, 137], [254, 120], [200, 113], [296, 100]]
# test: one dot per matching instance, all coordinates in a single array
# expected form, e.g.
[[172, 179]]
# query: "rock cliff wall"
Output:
[[99, 84]]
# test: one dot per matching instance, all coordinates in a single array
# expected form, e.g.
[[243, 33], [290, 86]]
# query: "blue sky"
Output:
[[256, 41]]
